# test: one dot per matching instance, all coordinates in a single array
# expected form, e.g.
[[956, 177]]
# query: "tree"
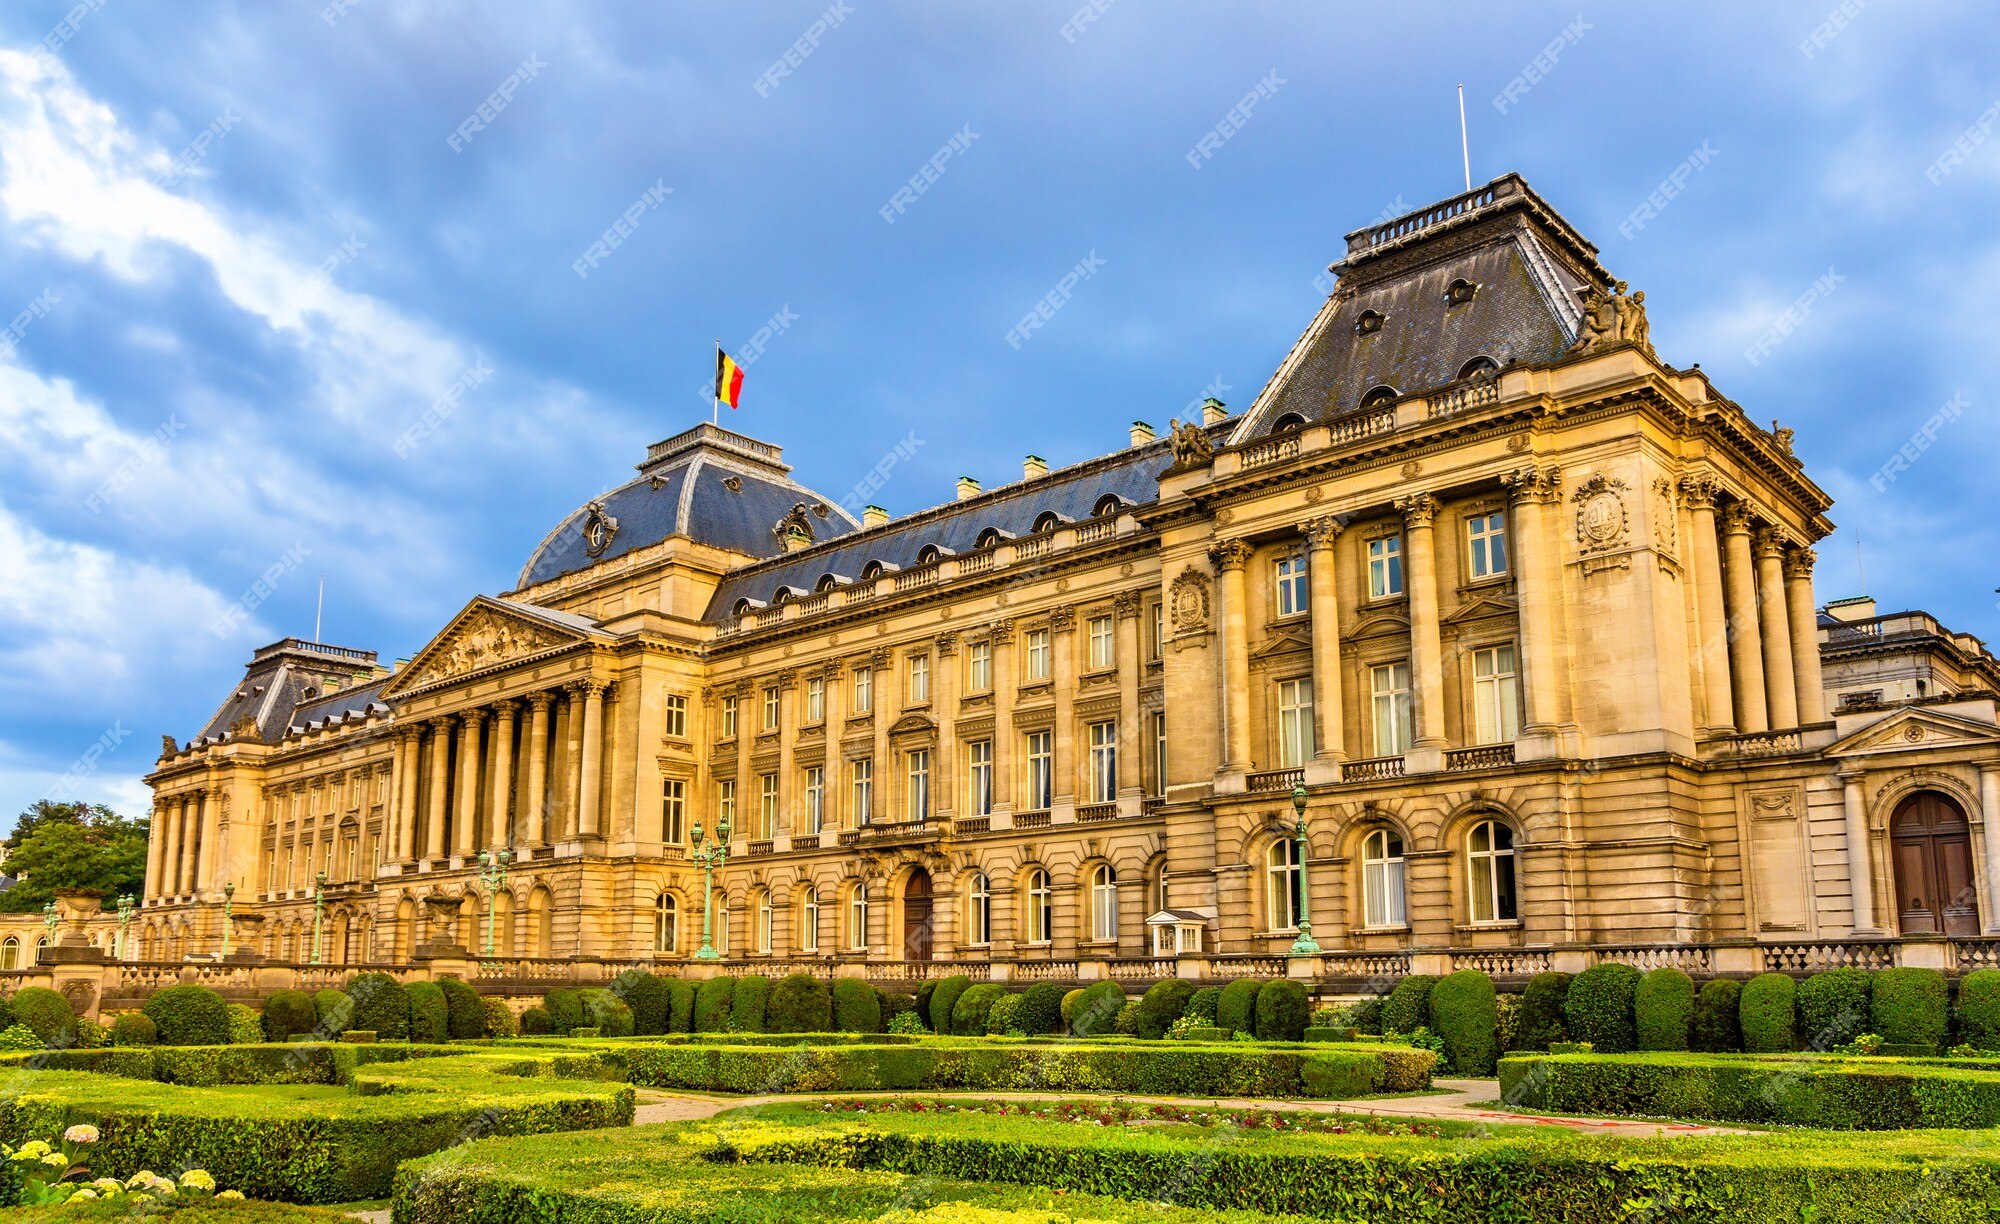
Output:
[[73, 845]]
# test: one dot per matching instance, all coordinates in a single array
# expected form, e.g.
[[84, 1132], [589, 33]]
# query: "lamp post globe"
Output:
[[1304, 945]]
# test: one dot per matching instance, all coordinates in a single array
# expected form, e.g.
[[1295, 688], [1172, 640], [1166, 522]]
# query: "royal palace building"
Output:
[[1522, 615]]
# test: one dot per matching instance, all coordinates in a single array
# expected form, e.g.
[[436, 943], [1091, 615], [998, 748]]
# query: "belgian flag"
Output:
[[728, 378]]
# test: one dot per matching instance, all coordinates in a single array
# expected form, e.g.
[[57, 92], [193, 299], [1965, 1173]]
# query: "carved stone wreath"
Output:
[[1188, 599], [1603, 523]]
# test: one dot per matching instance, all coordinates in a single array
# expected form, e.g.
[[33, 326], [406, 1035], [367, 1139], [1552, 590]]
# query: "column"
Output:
[[392, 811], [1329, 736], [1805, 634], [434, 817], [503, 774], [1062, 646], [208, 869], [411, 742], [170, 852], [834, 799], [1426, 648], [788, 736], [1131, 752], [1989, 817], [1006, 684], [534, 796], [1711, 628], [1860, 867], [572, 765], [1532, 488], [465, 797], [591, 774], [944, 770], [156, 848], [878, 787], [1780, 685], [1746, 653], [1230, 557], [191, 826]]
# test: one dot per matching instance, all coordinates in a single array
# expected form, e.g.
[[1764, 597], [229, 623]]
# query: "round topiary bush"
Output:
[[288, 1012], [430, 1017], [1201, 1005], [1832, 1007], [1282, 1011], [680, 1006], [134, 1029], [711, 1004], [185, 1015], [799, 1003], [381, 1006], [1663, 1010], [1127, 1023], [857, 1008], [650, 999], [1069, 1001], [1097, 1009], [1000, 1017], [1979, 1009], [1161, 1005], [924, 991], [333, 1011], [968, 1015], [746, 1006], [895, 1003], [246, 1027], [1599, 1008], [1236, 1006], [535, 1022], [1541, 1018], [1766, 1012], [499, 1018], [604, 1011], [1408, 1007], [1466, 1017], [565, 1008], [1040, 1010], [944, 999], [465, 1012], [1716, 1029], [1909, 1007]]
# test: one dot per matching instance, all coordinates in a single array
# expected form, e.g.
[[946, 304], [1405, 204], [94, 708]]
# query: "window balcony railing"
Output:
[[1092, 812], [1372, 769], [1031, 820], [1485, 756], [1275, 780]]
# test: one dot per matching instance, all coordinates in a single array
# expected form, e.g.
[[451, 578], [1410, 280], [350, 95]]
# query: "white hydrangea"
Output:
[[197, 1180], [229, 1194], [85, 1193], [82, 1132], [56, 1160], [31, 1151]]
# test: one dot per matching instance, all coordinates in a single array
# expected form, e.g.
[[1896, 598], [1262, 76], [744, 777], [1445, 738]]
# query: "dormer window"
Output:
[[826, 583], [1107, 506], [1370, 322], [1048, 522], [1479, 368], [1287, 423], [929, 554], [1379, 397], [1459, 292], [990, 537]]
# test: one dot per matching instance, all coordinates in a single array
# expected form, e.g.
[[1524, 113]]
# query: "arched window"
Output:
[[10, 953], [1368, 322], [1379, 397], [780, 595], [1382, 879], [826, 582], [1047, 521], [1281, 884], [1107, 506], [989, 537], [929, 554], [809, 920], [1489, 872], [741, 609], [1459, 292], [1288, 422], [979, 910], [761, 920], [1041, 911], [1478, 367], [857, 919], [871, 571], [1103, 903]]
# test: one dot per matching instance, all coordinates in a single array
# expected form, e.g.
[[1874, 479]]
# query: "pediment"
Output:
[[1916, 729], [913, 724], [1480, 606], [1287, 640], [485, 635]]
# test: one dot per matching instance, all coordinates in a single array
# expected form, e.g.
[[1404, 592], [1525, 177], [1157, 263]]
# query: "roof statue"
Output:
[[1191, 445], [1612, 318]]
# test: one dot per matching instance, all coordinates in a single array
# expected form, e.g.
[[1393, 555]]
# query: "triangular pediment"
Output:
[[1480, 606], [1286, 640], [487, 634], [1916, 729]]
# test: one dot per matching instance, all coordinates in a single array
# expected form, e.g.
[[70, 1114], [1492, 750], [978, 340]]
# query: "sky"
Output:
[[377, 293]]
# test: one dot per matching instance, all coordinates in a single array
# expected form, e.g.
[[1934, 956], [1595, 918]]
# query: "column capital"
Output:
[[786, 679], [947, 644], [1736, 518], [1417, 509], [829, 670], [1002, 631], [1771, 542], [1533, 482], [506, 708], [541, 700], [879, 657], [1323, 532], [1062, 618], [1126, 605], [1229, 555], [1799, 561], [1699, 492]]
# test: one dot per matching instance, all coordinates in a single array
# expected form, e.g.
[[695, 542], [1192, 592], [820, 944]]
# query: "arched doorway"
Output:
[[917, 916], [1932, 844]]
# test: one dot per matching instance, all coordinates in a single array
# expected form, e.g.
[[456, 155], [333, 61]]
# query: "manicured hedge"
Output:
[[185, 1015], [1236, 1007], [430, 1015], [381, 1006], [1663, 1010], [245, 1026], [1282, 1011], [799, 1003], [1000, 1016], [465, 1013], [499, 1018], [1767, 1010], [1040, 1011], [1716, 1029], [333, 1011], [134, 1029], [604, 1011], [1979, 1008], [924, 991], [1599, 1007], [856, 1006], [968, 1015], [287, 1012], [944, 998], [1541, 1018], [1908, 1007], [1832, 1007], [1097, 1009], [565, 1008], [746, 1006], [1407, 1008], [1201, 1005], [712, 1001], [650, 996], [1161, 1005], [535, 1022], [1465, 1016], [680, 1006]]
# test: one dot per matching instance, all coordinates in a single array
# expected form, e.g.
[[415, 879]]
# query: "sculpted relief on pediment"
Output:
[[480, 640]]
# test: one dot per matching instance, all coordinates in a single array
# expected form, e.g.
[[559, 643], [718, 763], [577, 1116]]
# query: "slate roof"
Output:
[[275, 687]]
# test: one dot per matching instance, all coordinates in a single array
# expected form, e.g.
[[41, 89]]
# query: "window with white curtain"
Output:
[[920, 784], [1037, 653], [815, 798], [1041, 770], [1489, 872], [1389, 691], [978, 667], [1103, 651], [979, 910], [1295, 723], [809, 920], [1382, 879], [1103, 762], [1103, 903], [1041, 909], [857, 918], [979, 777], [762, 920], [863, 774], [1496, 695], [1281, 884]]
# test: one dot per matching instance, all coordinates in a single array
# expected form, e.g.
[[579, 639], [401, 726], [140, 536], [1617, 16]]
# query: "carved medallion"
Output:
[[599, 529], [1189, 601]]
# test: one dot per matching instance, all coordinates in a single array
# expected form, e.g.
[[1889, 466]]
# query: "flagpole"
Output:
[[715, 398]]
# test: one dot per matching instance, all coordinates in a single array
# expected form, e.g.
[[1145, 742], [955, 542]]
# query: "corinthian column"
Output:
[[503, 773], [1231, 558], [590, 776], [410, 741], [1780, 684], [1711, 627], [170, 851], [191, 840], [1322, 534], [1426, 648], [156, 848], [465, 806], [1746, 662], [1532, 489], [1006, 682], [534, 796], [1131, 758], [1805, 635], [434, 816]]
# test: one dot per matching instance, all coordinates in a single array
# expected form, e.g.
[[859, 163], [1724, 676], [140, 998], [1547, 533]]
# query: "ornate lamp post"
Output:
[[493, 873], [228, 920], [708, 858], [124, 920], [319, 904], [1304, 945]]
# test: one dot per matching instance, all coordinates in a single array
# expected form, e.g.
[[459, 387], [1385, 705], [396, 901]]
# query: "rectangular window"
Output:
[[1102, 652], [1038, 654], [767, 805], [673, 811], [351, 854], [864, 690], [1103, 762], [920, 784], [1295, 723], [677, 716], [1160, 754], [815, 701], [979, 777], [920, 679], [1389, 689], [1496, 695], [1156, 645], [863, 774], [979, 667], [1486, 535], [771, 707], [725, 803], [729, 708], [1292, 585], [1385, 567], [270, 871], [815, 795], [1041, 770]]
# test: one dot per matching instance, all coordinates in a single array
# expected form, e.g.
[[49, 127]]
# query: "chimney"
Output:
[[967, 488], [1212, 411], [873, 516], [1034, 467], [1142, 433], [1853, 608]]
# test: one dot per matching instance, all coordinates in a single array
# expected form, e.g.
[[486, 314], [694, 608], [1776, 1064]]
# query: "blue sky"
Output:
[[245, 249]]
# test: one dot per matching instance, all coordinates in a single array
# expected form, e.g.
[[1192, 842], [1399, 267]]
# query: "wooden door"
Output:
[[1931, 845], [917, 916]]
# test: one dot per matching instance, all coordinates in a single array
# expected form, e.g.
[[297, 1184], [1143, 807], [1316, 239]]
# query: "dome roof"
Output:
[[708, 484]]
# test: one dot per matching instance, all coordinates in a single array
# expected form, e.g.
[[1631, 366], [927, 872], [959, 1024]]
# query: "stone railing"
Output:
[[1373, 769], [1031, 820], [1505, 962], [1691, 958], [1271, 450], [1461, 397], [1275, 780], [1092, 812], [1483, 757], [1813, 956]]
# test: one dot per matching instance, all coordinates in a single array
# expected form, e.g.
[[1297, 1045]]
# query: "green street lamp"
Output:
[[493, 873], [1304, 945], [124, 920], [228, 920], [708, 859], [319, 905]]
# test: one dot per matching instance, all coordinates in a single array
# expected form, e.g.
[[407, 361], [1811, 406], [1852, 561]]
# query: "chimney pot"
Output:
[[1142, 433], [1213, 412], [967, 488], [1034, 467], [873, 516]]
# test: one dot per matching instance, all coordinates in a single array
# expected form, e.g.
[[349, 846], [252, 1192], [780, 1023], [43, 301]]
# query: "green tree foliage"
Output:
[[381, 1006], [1716, 1027], [1979, 1008], [1234, 1007], [430, 1015], [1040, 1010], [944, 999], [1909, 1007], [72, 845], [746, 1006]]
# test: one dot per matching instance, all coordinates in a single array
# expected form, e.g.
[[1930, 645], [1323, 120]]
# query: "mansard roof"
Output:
[[289, 677]]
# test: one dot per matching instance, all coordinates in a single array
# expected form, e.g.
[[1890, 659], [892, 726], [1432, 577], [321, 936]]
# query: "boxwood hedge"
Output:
[[1716, 1029], [1768, 1014], [381, 1006], [465, 1013], [1832, 1007], [1407, 1008], [1161, 1005], [287, 1012], [184, 1015], [799, 1003], [856, 1006], [1097, 1009], [1465, 1016], [712, 1001], [1599, 1007], [680, 1006], [430, 1016], [1663, 1010], [968, 1015], [1282, 1011], [1541, 1018], [944, 998], [1908, 1007], [746, 1005], [1979, 1008], [1040, 1011], [1236, 1006]]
